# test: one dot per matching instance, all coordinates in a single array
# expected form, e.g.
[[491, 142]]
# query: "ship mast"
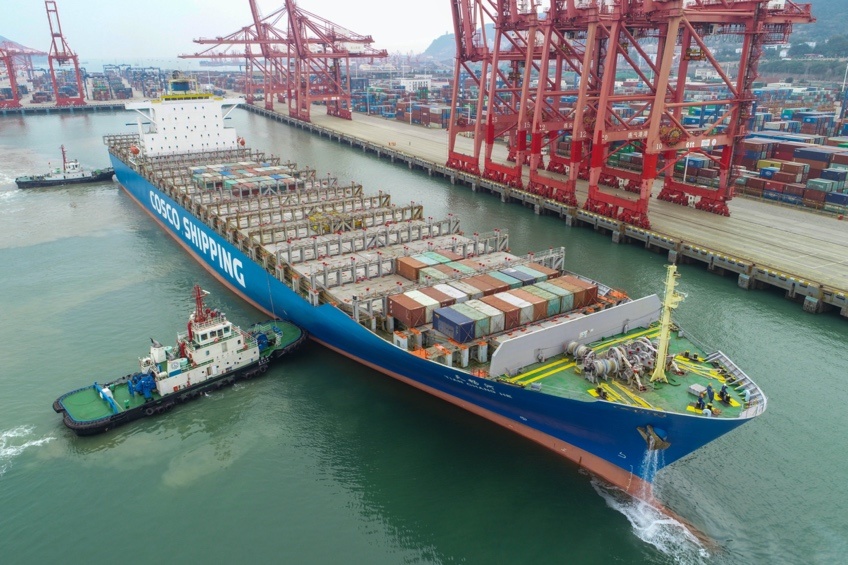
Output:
[[64, 159], [671, 300], [199, 312]]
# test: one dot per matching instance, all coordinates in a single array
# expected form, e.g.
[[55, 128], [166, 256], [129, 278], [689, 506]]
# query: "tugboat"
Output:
[[212, 353], [70, 173]]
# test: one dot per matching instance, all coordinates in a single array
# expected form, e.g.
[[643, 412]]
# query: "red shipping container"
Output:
[[775, 186], [479, 282], [497, 284], [794, 189], [511, 312], [406, 310], [815, 195]]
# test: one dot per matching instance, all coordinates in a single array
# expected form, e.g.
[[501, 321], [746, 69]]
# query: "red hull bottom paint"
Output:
[[627, 482]]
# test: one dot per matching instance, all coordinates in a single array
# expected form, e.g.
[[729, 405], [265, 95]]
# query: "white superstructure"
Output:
[[185, 121]]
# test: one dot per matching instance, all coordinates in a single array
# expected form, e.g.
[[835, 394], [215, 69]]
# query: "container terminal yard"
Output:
[[637, 157]]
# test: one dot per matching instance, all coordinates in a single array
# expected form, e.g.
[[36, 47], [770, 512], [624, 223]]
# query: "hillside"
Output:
[[831, 18]]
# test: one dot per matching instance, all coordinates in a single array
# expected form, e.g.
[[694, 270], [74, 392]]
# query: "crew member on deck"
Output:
[[723, 394], [710, 393], [701, 404]]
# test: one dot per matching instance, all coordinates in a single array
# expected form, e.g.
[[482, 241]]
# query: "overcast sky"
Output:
[[108, 29]]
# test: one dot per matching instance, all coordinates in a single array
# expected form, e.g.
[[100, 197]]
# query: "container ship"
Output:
[[517, 339]]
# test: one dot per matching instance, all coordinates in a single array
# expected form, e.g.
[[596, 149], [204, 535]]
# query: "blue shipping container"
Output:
[[456, 326]]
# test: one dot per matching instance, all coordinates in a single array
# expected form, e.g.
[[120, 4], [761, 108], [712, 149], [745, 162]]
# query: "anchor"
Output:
[[654, 441]]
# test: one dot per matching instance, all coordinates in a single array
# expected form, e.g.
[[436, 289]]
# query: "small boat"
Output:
[[70, 173], [212, 353]]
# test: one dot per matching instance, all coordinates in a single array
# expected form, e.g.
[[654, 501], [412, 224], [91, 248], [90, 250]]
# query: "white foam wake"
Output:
[[14, 442], [666, 534]]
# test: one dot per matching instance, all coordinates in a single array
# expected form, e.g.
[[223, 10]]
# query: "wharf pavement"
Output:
[[798, 250]]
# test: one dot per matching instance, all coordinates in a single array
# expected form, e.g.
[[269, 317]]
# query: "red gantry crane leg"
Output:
[[67, 94], [8, 61]]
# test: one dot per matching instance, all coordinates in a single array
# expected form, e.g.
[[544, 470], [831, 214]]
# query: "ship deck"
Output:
[[561, 376], [86, 405]]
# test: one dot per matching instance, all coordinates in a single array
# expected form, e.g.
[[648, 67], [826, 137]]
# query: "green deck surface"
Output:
[[87, 405], [559, 376]]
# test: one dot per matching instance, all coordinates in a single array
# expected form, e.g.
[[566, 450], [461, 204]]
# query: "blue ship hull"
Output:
[[600, 436]]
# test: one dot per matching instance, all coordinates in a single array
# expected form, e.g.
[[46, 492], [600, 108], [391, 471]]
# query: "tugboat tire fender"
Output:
[[149, 411], [263, 368]]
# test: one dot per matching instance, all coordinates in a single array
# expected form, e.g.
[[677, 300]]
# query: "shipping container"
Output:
[[525, 308], [456, 294], [449, 254], [481, 320], [540, 305], [438, 257], [520, 275], [538, 276], [424, 258], [566, 296], [439, 296], [511, 281], [553, 301], [453, 324], [512, 313], [544, 270], [407, 311], [472, 292], [408, 267], [428, 302], [484, 287], [496, 317], [459, 267], [431, 275]]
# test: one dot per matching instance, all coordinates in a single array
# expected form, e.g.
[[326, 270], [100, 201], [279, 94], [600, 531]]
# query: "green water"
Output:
[[323, 461]]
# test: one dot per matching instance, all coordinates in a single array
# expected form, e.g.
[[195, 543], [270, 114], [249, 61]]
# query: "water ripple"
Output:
[[11, 444]]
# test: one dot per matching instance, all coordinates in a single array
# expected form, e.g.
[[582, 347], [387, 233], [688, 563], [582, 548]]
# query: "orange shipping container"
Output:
[[408, 267]]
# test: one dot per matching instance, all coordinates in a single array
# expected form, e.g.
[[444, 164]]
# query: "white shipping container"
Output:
[[526, 312], [452, 291], [427, 302], [496, 317]]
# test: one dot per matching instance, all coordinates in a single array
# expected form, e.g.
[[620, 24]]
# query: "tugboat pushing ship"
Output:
[[563, 360], [70, 173], [211, 353]]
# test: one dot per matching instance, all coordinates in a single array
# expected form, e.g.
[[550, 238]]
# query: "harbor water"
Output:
[[325, 461]]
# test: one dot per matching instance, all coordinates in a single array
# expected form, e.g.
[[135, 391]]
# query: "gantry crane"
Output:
[[597, 120], [61, 55], [306, 62]]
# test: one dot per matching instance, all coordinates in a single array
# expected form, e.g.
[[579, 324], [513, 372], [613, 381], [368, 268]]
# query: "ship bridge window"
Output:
[[203, 337], [227, 330]]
